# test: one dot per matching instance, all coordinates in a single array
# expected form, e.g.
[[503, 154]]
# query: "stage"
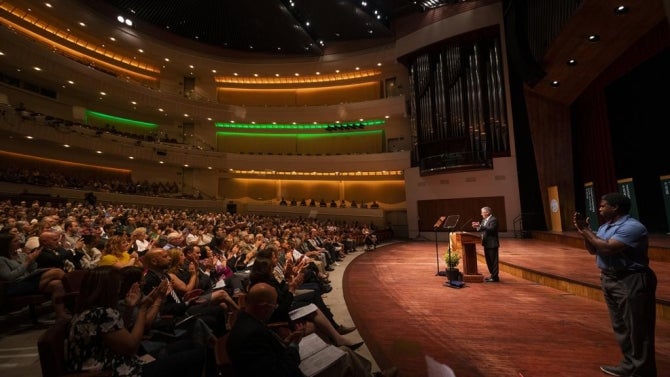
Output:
[[545, 317]]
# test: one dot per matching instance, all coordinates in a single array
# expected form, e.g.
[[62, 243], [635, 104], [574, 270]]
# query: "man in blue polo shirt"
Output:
[[628, 284]]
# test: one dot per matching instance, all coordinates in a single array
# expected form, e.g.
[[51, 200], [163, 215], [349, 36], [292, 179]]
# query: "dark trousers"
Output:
[[183, 358], [631, 301], [491, 255]]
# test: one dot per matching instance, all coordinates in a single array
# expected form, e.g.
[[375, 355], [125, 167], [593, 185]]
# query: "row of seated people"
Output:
[[51, 178], [322, 203], [34, 116], [176, 274]]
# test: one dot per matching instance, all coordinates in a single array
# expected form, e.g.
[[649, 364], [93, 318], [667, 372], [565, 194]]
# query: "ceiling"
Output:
[[276, 27]]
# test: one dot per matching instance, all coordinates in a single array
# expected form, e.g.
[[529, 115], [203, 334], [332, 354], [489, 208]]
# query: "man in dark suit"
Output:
[[253, 348], [489, 228]]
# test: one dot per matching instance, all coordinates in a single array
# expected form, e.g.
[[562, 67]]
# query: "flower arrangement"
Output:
[[452, 259]]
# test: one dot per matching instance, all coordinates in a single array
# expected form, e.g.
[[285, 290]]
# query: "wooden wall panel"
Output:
[[332, 95]]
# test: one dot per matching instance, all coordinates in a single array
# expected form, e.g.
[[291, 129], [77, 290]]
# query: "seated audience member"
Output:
[[116, 253], [343, 204], [98, 340], [305, 289], [53, 255], [216, 267], [283, 202], [130, 297], [157, 261], [91, 250], [22, 276], [263, 272], [294, 202], [333, 204], [255, 351], [139, 241], [185, 277], [374, 204]]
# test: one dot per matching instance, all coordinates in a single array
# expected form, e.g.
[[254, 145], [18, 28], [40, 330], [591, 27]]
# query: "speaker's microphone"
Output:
[[468, 221]]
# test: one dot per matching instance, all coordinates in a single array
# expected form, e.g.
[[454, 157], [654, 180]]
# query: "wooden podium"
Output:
[[466, 244]]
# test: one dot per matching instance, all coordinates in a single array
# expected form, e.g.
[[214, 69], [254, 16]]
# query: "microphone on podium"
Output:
[[467, 222]]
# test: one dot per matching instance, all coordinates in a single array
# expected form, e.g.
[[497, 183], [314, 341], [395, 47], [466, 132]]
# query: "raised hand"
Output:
[[133, 295]]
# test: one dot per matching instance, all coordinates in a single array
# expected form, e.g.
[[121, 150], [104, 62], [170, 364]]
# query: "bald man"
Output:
[[256, 351], [253, 348]]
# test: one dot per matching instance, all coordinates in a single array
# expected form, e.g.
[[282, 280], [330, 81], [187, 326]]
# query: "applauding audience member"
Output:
[[98, 340], [22, 276]]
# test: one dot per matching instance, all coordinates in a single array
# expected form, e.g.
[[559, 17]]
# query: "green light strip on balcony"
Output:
[[300, 136], [305, 126], [115, 119]]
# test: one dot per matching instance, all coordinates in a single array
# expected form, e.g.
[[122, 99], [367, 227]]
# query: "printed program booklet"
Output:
[[302, 311], [316, 355]]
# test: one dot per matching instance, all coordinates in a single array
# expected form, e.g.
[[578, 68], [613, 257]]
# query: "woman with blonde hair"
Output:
[[139, 242], [116, 253]]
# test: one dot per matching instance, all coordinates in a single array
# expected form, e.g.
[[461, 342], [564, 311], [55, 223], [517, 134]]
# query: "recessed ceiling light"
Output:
[[82, 24], [571, 62], [112, 39], [167, 59], [209, 167], [48, 5], [555, 84], [160, 162], [594, 38], [103, 93], [185, 165], [98, 152], [160, 109], [214, 71], [140, 50], [131, 157], [621, 9], [37, 68], [255, 74], [133, 102], [191, 66], [66, 145], [29, 137]]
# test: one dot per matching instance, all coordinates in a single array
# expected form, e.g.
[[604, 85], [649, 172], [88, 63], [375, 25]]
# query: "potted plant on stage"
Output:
[[452, 259]]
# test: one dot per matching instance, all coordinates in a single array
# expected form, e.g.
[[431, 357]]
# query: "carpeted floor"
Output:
[[512, 328]]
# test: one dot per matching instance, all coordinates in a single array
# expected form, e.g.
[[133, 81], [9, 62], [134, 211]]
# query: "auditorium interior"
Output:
[[389, 113]]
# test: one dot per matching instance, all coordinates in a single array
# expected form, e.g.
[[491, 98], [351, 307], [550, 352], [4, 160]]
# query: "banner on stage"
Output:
[[626, 188], [591, 205]]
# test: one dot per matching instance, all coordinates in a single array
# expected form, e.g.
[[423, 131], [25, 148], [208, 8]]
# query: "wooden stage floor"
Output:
[[521, 327]]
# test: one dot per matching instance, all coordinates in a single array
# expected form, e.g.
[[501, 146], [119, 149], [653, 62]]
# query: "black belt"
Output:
[[618, 274]]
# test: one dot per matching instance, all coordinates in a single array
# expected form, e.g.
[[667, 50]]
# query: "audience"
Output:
[[291, 255], [22, 276], [98, 339]]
